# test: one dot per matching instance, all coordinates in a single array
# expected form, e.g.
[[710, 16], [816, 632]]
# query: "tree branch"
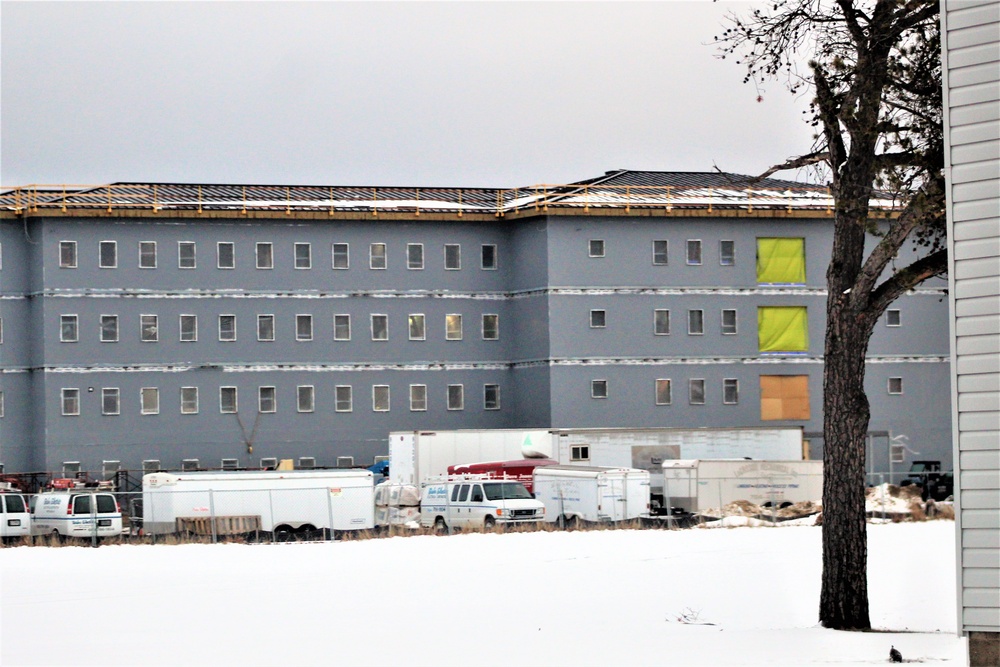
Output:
[[794, 163], [928, 266]]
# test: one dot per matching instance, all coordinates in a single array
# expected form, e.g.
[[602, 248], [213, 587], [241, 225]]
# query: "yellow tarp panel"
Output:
[[781, 260], [782, 329]]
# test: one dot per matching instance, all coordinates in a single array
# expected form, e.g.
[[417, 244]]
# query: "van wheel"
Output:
[[489, 523], [57, 537], [440, 526]]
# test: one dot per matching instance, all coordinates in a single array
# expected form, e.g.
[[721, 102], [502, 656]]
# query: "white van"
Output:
[[15, 520], [477, 502], [74, 513]]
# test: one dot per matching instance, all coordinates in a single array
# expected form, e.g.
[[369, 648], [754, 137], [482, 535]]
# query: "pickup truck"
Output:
[[934, 482]]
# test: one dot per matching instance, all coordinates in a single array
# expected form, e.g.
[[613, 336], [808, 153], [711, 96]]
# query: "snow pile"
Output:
[[892, 501], [745, 508]]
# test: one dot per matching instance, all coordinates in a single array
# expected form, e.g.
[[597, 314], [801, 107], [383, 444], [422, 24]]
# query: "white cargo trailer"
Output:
[[592, 493], [280, 502], [695, 486]]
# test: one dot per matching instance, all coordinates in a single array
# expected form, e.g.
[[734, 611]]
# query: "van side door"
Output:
[[461, 510]]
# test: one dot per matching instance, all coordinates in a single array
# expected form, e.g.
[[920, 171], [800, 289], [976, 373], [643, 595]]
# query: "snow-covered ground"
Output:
[[741, 596]]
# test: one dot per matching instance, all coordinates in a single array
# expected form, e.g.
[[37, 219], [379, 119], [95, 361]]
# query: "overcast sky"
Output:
[[378, 93]]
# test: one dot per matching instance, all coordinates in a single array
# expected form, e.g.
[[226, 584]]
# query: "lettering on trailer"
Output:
[[336, 493], [767, 486]]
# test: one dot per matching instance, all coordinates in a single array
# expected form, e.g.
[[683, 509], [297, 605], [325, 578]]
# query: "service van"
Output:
[[476, 501], [15, 519], [77, 513]]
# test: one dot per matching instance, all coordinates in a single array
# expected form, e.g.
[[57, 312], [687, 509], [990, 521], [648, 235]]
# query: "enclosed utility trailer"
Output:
[[694, 486], [592, 493]]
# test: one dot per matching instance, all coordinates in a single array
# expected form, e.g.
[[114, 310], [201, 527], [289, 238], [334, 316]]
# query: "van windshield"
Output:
[[508, 490]]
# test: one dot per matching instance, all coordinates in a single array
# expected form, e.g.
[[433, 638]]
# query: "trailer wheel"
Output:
[[307, 532], [283, 533], [489, 523], [440, 526]]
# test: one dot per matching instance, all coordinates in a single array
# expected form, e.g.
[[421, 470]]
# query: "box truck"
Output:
[[284, 503], [592, 493], [694, 486]]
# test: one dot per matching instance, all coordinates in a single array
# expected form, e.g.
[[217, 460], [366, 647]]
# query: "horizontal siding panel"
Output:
[[979, 421], [977, 287], [981, 480], [974, 229], [978, 171], [976, 268], [981, 209], [970, 55], [976, 326], [981, 578], [980, 382], [983, 150], [980, 617], [981, 460], [977, 190], [978, 442], [970, 13], [970, 114], [978, 344], [985, 402], [977, 248], [979, 597], [978, 363], [981, 499], [973, 35], [977, 306], [983, 538], [983, 558], [972, 75], [975, 94], [980, 519], [972, 134]]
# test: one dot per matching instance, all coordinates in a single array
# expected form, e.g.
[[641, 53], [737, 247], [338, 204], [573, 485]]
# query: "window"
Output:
[[149, 330], [109, 254], [489, 257], [71, 402], [415, 256], [380, 327], [456, 397], [303, 327], [727, 253], [376, 256], [186, 255], [491, 397], [491, 326], [661, 322], [660, 250], [728, 322], [109, 328], [1, 402], [694, 252], [67, 254], [265, 256], [598, 388], [227, 400], [306, 398], [265, 327], [696, 392], [579, 452], [147, 254], [893, 318], [781, 261], [782, 329], [895, 385], [225, 255], [453, 327], [418, 397], [416, 326], [189, 400], [380, 398], [730, 391], [784, 397], [341, 256], [227, 328], [342, 398], [189, 328], [452, 257], [696, 322], [150, 399], [342, 327], [663, 392], [69, 328], [303, 255], [266, 399], [595, 247], [1, 330], [598, 319]]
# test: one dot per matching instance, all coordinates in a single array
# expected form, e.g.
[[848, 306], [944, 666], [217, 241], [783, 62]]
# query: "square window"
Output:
[[727, 253], [342, 327], [897, 453], [489, 257], [110, 401], [415, 256], [225, 255], [416, 326], [147, 254], [303, 327], [341, 256], [418, 397], [598, 388], [306, 398], [660, 252], [663, 392], [67, 254], [265, 255], [696, 392], [377, 256], [189, 328], [491, 326], [661, 322], [595, 247], [598, 319], [227, 400], [109, 254], [453, 327], [696, 322], [380, 398], [895, 385], [189, 400], [730, 391], [729, 322], [579, 452], [303, 255], [456, 397], [149, 329], [267, 399], [1, 402], [69, 329], [452, 257], [186, 258], [342, 396], [71, 402], [893, 318], [380, 327], [227, 328], [150, 400], [491, 397], [265, 327], [694, 252]]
